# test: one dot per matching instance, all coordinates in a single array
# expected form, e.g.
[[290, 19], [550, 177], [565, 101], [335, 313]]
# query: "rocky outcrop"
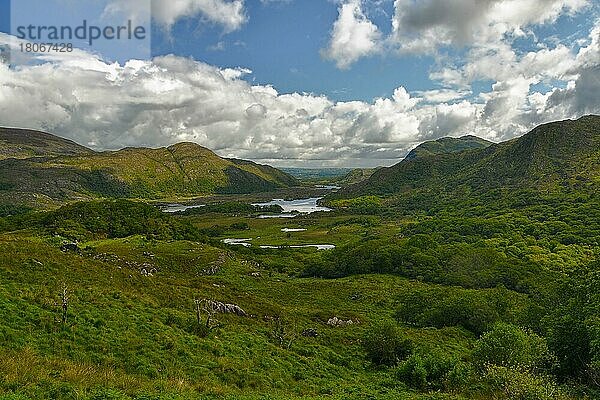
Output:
[[224, 308], [338, 323]]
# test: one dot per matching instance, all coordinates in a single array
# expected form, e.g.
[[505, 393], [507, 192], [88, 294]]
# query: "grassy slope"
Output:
[[130, 333], [23, 143], [560, 154], [448, 145], [182, 170]]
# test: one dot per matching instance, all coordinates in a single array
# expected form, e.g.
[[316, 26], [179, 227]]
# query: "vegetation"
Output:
[[23, 143], [184, 169], [484, 290], [447, 145], [561, 156]]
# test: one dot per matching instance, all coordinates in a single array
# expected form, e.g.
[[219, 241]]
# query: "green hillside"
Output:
[[181, 170], [357, 175], [448, 145], [554, 156], [469, 275], [24, 143]]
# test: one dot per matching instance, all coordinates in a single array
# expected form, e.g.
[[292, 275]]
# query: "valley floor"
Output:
[[132, 331]]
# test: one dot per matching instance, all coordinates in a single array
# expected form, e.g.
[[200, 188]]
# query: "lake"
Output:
[[173, 208], [301, 206]]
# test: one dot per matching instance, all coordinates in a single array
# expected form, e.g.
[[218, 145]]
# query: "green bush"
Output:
[[434, 371], [474, 310], [509, 346], [515, 384], [385, 345], [114, 219]]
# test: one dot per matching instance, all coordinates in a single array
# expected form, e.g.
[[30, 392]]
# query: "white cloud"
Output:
[[230, 14], [437, 96], [171, 99], [353, 36], [423, 26]]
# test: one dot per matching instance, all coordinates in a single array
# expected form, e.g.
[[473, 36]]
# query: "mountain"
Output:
[[357, 175], [448, 145], [181, 170], [24, 143], [552, 156]]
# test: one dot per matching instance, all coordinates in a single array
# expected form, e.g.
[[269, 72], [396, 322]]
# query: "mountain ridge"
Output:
[[69, 171], [553, 155], [28, 143], [447, 145]]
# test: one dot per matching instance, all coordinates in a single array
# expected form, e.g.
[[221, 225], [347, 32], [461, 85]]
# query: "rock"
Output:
[[310, 332], [211, 270], [225, 308], [355, 297], [70, 247], [338, 323]]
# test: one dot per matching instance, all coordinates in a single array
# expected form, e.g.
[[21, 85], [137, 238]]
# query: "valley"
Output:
[[446, 276]]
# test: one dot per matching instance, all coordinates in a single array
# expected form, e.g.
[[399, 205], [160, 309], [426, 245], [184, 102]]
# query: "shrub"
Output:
[[474, 310], [509, 346], [385, 345], [240, 226], [515, 384], [434, 371]]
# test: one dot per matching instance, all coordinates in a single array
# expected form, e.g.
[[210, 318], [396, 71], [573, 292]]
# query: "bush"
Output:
[[384, 344], [474, 310], [240, 226], [434, 371], [509, 346], [360, 205], [520, 385]]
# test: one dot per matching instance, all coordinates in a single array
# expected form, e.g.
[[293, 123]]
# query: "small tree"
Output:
[[506, 345], [384, 344], [203, 306], [283, 333]]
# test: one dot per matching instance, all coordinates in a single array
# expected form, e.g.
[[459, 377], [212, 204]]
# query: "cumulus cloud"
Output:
[[425, 25], [230, 14], [172, 99], [353, 36]]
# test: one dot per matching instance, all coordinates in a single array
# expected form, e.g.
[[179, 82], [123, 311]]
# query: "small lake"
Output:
[[328, 187], [302, 206], [173, 208], [238, 242], [291, 208], [304, 246], [246, 243]]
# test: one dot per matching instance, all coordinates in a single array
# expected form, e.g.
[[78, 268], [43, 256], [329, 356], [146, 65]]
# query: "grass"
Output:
[[130, 334]]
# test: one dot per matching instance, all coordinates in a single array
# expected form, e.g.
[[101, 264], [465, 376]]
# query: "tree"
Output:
[[385, 345], [204, 306], [506, 345]]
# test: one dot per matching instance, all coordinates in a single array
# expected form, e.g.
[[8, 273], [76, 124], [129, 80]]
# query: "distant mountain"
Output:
[[24, 143], [552, 156], [448, 145], [181, 170], [357, 175], [317, 174]]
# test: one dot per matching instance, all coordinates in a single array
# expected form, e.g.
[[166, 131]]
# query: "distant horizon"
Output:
[[312, 164]]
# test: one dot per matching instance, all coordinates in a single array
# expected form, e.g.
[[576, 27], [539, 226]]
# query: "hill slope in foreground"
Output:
[[39, 168], [557, 155]]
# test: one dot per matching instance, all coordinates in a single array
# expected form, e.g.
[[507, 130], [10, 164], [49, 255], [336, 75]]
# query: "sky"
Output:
[[306, 83]]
